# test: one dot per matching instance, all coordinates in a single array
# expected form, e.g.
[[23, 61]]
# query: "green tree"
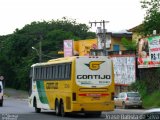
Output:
[[152, 18], [17, 56], [129, 45]]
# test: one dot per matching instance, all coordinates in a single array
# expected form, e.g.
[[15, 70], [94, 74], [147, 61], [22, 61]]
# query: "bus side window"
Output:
[[34, 73], [47, 73], [59, 71], [61, 74], [50, 72], [56, 72], [53, 72], [68, 71], [65, 74], [44, 73], [38, 73], [63, 71]]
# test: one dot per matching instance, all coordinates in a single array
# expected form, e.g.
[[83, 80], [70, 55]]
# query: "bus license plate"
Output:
[[96, 98]]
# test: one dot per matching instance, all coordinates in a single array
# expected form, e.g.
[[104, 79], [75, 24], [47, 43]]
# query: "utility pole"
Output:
[[102, 23]]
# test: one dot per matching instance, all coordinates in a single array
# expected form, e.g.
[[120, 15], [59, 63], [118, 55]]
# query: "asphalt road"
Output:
[[17, 109]]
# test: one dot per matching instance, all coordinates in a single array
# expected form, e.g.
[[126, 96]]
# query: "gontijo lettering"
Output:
[[93, 77], [52, 85]]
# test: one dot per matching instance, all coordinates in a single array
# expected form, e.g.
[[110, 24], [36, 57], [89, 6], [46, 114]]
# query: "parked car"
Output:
[[151, 114], [128, 99], [1, 93]]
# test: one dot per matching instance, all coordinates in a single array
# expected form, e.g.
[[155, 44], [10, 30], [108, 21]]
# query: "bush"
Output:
[[139, 86], [152, 100]]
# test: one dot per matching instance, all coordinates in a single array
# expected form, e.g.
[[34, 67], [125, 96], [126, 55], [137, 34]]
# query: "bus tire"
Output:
[[62, 112], [98, 114], [94, 114], [57, 108], [37, 110]]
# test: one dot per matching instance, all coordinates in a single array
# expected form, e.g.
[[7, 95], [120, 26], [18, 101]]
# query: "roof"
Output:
[[135, 29], [122, 33]]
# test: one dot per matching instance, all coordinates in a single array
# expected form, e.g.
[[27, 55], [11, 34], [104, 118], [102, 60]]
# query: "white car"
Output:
[[128, 99], [1, 94]]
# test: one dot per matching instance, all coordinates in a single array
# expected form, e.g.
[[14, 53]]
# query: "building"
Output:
[[82, 47], [114, 43], [116, 37], [135, 34]]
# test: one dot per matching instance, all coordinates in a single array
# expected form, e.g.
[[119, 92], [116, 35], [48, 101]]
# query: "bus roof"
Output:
[[53, 61], [63, 60]]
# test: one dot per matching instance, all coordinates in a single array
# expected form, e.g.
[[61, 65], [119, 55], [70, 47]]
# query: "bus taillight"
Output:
[[93, 94], [73, 96], [112, 96]]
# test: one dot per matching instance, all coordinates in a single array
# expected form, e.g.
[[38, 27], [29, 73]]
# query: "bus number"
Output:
[[66, 86], [52, 85]]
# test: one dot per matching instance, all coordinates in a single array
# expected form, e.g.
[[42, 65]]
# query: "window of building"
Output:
[[116, 48]]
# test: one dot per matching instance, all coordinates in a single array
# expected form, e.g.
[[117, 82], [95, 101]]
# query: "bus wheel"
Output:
[[37, 110], [95, 114], [63, 113], [57, 107], [98, 114]]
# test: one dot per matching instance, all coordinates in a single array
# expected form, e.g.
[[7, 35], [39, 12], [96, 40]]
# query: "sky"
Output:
[[121, 14]]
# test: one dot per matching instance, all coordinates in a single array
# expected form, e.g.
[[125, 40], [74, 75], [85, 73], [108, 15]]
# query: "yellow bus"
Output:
[[73, 84]]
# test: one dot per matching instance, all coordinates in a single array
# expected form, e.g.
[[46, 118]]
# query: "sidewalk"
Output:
[[16, 94]]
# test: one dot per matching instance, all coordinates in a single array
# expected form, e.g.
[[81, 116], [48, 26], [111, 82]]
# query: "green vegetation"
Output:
[[17, 55], [129, 45], [149, 87], [139, 86], [152, 100], [148, 83], [152, 19]]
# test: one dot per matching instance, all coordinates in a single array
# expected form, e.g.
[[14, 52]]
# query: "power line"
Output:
[[102, 23]]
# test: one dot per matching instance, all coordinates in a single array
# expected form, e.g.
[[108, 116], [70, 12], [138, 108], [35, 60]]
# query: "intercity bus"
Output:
[[73, 84]]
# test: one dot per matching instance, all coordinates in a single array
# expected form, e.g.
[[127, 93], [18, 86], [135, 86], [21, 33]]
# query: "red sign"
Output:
[[149, 52]]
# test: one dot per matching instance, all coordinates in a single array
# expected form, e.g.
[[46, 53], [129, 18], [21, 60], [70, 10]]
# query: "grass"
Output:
[[152, 101]]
